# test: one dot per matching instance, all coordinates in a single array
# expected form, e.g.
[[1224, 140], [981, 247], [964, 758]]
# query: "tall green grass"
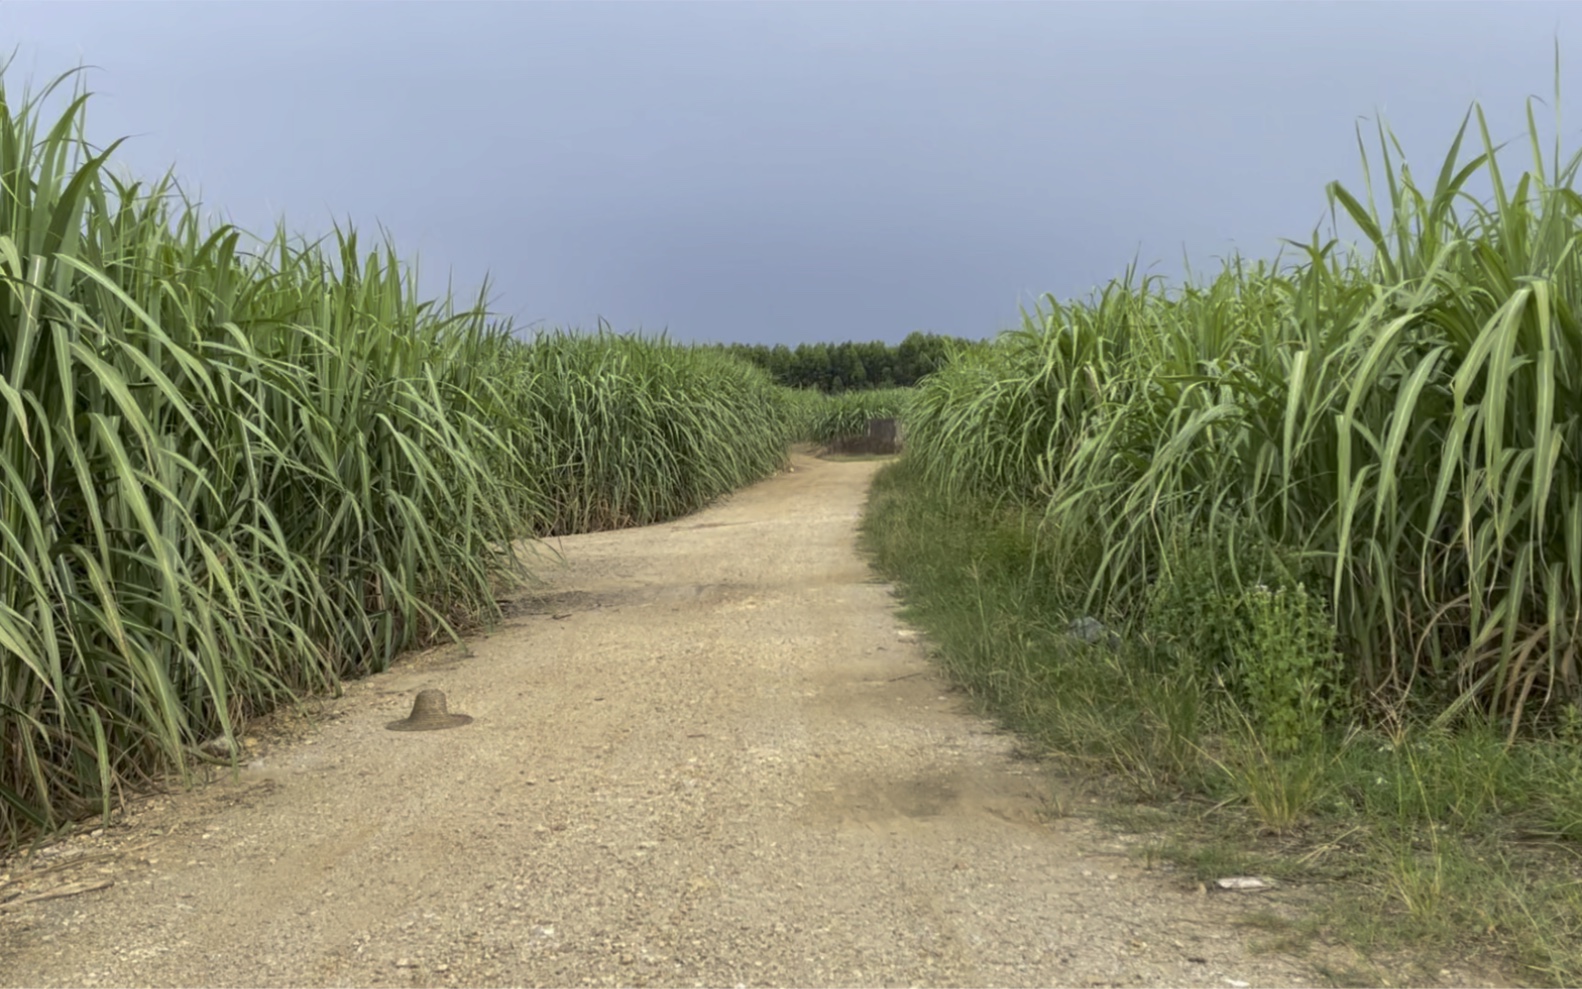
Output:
[[1428, 844], [829, 418], [235, 470], [1411, 845], [1333, 506], [1397, 428], [627, 431]]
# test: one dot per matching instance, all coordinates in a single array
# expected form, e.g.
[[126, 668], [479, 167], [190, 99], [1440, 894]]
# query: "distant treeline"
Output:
[[850, 366]]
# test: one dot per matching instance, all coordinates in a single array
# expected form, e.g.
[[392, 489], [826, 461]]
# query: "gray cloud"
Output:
[[786, 172]]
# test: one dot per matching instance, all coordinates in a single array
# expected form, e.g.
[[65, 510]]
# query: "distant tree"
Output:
[[779, 365], [920, 355], [851, 367], [834, 367]]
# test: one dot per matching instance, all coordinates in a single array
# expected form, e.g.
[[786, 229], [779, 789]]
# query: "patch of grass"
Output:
[[1204, 861], [1282, 788], [1425, 844]]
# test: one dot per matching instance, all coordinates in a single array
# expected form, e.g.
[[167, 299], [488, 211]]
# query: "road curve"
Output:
[[704, 753]]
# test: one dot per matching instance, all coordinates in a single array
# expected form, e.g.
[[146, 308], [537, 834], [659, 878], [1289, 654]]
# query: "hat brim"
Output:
[[430, 722]]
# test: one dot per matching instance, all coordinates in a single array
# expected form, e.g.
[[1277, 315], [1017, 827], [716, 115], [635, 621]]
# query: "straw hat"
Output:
[[429, 714]]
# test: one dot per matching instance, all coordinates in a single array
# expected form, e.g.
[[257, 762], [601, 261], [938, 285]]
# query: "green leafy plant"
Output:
[[1286, 665]]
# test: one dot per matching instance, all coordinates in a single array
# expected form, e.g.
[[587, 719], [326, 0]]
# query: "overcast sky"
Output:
[[787, 172]]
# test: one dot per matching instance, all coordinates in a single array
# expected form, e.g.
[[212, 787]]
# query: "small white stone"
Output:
[[1242, 883]]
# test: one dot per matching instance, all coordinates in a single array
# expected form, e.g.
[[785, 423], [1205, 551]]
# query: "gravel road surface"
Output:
[[704, 753]]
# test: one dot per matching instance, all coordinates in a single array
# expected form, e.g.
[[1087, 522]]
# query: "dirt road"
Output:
[[707, 753]]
